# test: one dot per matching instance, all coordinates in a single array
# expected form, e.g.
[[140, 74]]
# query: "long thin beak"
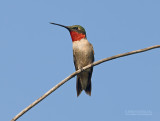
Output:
[[61, 25]]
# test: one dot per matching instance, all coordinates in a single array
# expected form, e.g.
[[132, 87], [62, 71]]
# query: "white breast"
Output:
[[82, 45], [83, 53]]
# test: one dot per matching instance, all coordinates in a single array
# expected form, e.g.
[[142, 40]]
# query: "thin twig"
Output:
[[77, 72]]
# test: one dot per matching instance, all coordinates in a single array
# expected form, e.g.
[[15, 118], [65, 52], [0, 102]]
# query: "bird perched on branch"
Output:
[[83, 55]]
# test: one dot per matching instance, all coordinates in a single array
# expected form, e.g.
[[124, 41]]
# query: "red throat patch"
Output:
[[76, 36]]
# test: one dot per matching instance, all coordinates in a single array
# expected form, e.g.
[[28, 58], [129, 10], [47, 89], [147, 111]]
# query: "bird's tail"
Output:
[[79, 87], [88, 88]]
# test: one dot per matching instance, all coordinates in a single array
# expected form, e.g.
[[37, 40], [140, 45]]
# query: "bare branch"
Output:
[[77, 72]]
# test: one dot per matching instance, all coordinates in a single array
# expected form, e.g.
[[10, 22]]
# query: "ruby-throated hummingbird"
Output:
[[83, 55]]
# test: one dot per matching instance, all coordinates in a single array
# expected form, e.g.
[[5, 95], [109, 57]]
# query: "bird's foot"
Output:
[[82, 69]]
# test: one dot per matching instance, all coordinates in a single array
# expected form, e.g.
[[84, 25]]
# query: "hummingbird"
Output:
[[83, 55]]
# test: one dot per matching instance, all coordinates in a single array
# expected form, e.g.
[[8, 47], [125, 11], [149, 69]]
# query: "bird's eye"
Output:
[[76, 28]]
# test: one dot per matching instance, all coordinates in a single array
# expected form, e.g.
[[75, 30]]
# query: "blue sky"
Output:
[[36, 55]]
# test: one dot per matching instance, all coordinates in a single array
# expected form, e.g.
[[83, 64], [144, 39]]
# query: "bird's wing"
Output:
[[74, 58], [93, 53]]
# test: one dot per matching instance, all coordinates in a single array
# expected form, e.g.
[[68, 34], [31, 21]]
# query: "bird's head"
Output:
[[77, 32]]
